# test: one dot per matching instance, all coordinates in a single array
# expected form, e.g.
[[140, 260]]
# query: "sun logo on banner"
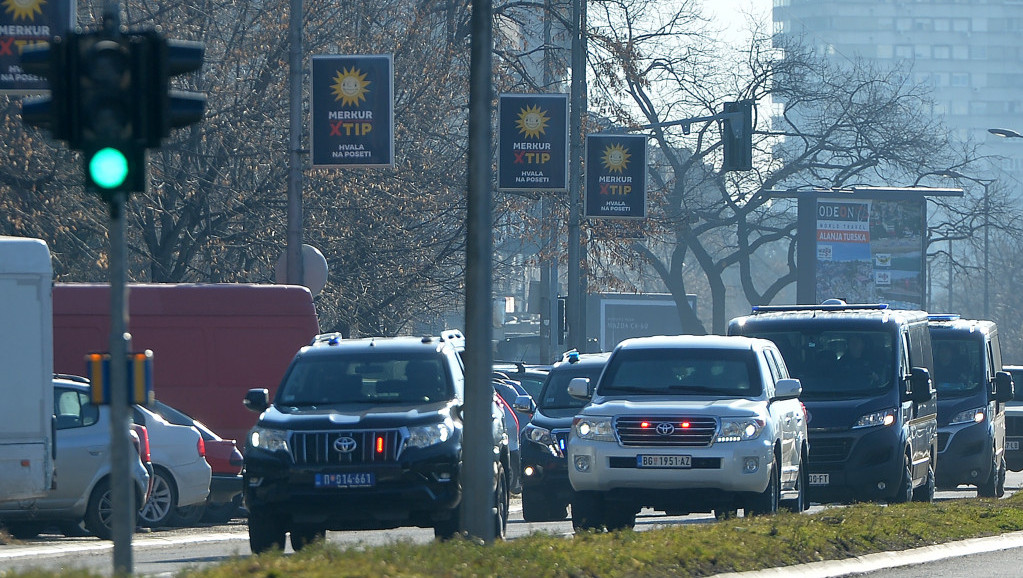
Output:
[[350, 86], [23, 9], [532, 121], [616, 158]]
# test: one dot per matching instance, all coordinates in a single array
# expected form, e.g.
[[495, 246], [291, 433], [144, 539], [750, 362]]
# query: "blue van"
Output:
[[972, 393], [871, 407]]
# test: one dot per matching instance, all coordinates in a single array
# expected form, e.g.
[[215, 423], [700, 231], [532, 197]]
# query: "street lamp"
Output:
[[1005, 132], [987, 212]]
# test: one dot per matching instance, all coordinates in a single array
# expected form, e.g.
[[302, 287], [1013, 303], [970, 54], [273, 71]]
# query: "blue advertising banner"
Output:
[[532, 142], [352, 111], [616, 176], [24, 22]]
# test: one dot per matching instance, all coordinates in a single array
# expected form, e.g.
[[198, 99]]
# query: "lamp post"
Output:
[[987, 213]]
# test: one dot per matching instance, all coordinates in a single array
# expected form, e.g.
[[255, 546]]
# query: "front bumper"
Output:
[[964, 454], [726, 467], [855, 464], [408, 492]]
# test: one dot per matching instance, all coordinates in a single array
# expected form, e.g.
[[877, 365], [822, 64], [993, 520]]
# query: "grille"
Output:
[[317, 448], [829, 449], [1013, 425], [699, 433], [560, 441]]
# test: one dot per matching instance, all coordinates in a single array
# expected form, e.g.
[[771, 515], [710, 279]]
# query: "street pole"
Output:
[[987, 277], [295, 271], [576, 301]]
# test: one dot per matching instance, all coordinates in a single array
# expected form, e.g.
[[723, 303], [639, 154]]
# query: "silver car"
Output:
[[82, 492]]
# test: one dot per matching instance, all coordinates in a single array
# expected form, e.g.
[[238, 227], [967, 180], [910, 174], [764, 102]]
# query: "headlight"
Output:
[[428, 435], [271, 440], [738, 430], [975, 415], [878, 418], [538, 435], [594, 428]]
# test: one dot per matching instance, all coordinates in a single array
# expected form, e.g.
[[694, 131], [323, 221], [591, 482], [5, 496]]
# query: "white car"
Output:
[[687, 424], [82, 491], [181, 475]]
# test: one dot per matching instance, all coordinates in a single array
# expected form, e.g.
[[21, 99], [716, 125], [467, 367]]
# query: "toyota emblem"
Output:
[[345, 445], [665, 429]]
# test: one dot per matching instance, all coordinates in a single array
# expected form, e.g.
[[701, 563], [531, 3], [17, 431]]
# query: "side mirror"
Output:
[[579, 388], [524, 404], [257, 400], [787, 389], [921, 387], [1004, 387]]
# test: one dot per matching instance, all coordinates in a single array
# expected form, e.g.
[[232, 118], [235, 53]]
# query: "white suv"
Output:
[[687, 424]]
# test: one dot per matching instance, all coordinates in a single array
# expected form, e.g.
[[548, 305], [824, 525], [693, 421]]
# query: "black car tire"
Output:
[[905, 490], [767, 501], [587, 511], [266, 532], [187, 516], [925, 493], [536, 506], [502, 501], [447, 529], [24, 530], [99, 512], [799, 503], [619, 516], [303, 536]]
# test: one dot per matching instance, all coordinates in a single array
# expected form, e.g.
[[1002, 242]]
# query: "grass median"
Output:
[[734, 545]]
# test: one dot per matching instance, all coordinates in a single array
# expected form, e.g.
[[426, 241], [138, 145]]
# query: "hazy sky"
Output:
[[732, 13]]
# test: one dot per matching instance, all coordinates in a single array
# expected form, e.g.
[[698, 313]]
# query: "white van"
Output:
[[26, 383]]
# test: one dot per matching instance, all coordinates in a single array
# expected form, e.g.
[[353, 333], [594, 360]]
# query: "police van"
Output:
[[865, 371], [972, 394]]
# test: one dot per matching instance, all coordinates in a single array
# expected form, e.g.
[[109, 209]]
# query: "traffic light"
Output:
[[53, 112], [170, 108], [737, 136], [110, 112]]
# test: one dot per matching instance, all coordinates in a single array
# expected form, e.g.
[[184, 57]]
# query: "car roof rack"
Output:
[[827, 305]]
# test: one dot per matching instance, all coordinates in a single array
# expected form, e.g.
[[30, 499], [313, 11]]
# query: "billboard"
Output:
[[615, 176], [24, 22], [352, 111], [865, 250], [532, 142]]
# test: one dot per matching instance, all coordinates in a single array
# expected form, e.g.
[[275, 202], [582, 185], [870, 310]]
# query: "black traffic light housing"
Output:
[[737, 136], [110, 98], [54, 112]]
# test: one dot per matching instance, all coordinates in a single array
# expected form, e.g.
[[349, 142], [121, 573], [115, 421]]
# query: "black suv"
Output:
[[546, 492], [363, 434]]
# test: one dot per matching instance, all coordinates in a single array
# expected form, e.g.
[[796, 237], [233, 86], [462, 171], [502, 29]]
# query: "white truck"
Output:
[[26, 377]]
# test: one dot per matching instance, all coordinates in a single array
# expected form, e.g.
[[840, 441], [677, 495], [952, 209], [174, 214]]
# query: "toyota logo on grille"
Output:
[[344, 445], [665, 429]]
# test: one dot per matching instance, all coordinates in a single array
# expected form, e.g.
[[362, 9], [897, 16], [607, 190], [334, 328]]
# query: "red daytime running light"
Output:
[[644, 424], [685, 424], [380, 444]]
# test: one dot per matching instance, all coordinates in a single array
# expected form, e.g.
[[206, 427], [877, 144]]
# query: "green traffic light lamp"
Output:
[[108, 168]]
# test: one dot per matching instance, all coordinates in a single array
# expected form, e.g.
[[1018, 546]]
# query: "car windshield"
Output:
[[837, 364], [555, 391], [364, 379], [673, 371], [958, 366]]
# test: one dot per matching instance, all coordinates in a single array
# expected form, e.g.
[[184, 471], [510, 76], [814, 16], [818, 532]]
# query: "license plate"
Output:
[[664, 461], [354, 480], [820, 479], [1012, 446]]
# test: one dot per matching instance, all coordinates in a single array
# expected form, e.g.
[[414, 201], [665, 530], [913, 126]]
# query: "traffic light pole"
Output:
[[122, 505]]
